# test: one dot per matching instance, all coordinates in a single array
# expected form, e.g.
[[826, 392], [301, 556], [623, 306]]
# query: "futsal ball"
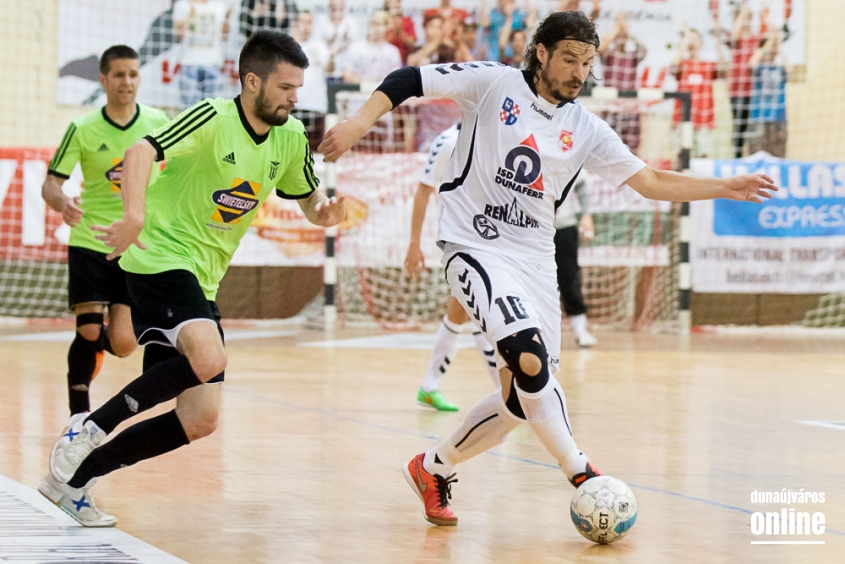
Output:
[[603, 509]]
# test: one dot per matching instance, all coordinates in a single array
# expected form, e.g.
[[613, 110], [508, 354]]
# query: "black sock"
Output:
[[155, 353], [141, 441], [81, 362], [162, 382], [105, 343]]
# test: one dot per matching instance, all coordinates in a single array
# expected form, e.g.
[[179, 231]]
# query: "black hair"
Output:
[[113, 53], [265, 50], [555, 28]]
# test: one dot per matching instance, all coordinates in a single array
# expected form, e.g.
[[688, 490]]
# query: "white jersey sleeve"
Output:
[[609, 157], [438, 157], [465, 83]]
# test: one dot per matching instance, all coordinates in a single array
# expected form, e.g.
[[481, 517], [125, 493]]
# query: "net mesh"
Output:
[[776, 76], [33, 269]]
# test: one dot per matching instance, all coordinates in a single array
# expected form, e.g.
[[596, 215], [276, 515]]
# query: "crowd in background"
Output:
[[752, 61]]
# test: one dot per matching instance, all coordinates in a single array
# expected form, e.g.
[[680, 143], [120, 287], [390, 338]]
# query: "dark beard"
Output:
[[557, 94], [265, 113]]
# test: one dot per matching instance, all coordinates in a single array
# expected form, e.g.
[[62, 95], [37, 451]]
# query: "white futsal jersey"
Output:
[[517, 157], [438, 156]]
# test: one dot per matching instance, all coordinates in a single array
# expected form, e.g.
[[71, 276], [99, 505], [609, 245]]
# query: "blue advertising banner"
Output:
[[793, 243], [810, 203]]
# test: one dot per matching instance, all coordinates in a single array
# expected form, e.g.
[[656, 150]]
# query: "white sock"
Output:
[[579, 323], [486, 425], [488, 355], [547, 415], [445, 346]]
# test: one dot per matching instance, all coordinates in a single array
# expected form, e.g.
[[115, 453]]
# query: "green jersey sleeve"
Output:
[[299, 180], [188, 133], [67, 155]]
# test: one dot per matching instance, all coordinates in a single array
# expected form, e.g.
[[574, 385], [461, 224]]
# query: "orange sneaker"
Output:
[[101, 356], [434, 491], [590, 472]]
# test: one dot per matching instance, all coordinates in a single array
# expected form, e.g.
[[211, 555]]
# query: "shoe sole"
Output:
[[432, 520], [53, 470], [434, 407], [83, 523], [51, 493], [55, 497]]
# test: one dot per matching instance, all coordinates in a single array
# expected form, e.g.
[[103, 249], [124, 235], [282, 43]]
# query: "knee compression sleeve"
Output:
[[527, 358]]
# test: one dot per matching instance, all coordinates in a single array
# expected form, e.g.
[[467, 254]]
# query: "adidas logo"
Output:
[[230, 158], [102, 148], [131, 402]]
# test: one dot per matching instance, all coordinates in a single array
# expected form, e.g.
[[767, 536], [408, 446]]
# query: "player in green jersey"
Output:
[[97, 141], [224, 157]]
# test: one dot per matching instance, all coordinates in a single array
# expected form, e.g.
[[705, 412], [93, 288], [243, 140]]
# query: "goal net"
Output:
[[629, 270]]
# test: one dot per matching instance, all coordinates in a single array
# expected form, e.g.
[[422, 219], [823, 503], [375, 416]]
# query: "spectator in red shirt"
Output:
[[451, 16], [437, 48], [401, 32], [696, 76], [743, 43], [621, 54]]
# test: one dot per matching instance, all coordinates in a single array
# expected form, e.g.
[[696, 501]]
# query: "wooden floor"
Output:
[[305, 465]]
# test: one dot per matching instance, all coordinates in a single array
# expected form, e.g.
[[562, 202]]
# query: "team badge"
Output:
[[565, 141], [510, 112]]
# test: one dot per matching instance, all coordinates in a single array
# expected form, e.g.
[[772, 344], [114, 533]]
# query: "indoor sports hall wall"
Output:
[[32, 119]]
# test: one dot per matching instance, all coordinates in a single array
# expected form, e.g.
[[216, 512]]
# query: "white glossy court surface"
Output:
[[305, 465]]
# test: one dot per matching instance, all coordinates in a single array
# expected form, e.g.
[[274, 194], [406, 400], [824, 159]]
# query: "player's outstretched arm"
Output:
[[323, 211], [137, 166], [414, 259], [676, 187], [345, 134]]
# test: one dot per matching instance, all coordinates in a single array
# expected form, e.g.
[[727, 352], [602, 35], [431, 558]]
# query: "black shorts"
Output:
[[92, 278], [163, 302]]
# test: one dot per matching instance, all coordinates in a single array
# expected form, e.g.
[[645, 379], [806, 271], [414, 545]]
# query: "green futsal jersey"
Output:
[[98, 144], [218, 173]]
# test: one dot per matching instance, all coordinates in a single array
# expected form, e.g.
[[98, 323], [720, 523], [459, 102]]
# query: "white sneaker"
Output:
[[80, 437], [51, 489], [585, 339], [78, 503]]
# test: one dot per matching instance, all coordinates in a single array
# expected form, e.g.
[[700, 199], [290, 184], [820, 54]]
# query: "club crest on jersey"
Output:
[[510, 112], [522, 171], [565, 140], [114, 173], [234, 203]]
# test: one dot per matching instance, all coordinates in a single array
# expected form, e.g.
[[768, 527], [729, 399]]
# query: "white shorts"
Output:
[[503, 296]]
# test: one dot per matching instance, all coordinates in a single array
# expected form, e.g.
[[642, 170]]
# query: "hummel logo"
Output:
[[102, 148], [230, 158], [131, 402], [420, 483]]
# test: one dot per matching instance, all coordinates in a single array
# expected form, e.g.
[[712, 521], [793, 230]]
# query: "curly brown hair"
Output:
[[556, 27]]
